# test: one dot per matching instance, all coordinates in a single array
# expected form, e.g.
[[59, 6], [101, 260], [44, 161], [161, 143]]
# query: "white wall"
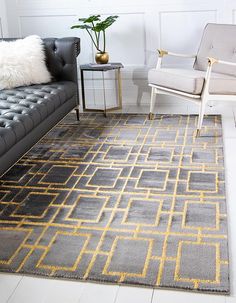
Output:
[[143, 26], [3, 20]]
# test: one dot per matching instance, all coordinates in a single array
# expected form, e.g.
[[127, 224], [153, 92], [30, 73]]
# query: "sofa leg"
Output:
[[77, 113]]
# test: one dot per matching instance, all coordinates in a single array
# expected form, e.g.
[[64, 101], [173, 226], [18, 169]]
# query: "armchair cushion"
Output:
[[191, 81], [186, 80]]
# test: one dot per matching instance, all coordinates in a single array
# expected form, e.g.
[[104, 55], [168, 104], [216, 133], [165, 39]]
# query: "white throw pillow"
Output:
[[22, 62]]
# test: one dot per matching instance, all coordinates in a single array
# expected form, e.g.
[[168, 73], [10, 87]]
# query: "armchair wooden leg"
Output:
[[201, 116], [152, 104], [151, 116], [198, 134]]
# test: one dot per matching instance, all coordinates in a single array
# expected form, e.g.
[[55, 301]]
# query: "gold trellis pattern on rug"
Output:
[[120, 200]]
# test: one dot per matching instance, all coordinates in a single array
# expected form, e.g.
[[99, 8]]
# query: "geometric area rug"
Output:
[[120, 200]]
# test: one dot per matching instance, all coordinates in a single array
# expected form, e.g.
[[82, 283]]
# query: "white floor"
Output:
[[22, 289]]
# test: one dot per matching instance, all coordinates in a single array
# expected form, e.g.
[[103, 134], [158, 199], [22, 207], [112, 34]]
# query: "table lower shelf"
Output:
[[102, 110]]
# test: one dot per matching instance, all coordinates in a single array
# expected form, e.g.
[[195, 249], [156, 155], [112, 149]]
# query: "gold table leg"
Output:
[[119, 88], [104, 95]]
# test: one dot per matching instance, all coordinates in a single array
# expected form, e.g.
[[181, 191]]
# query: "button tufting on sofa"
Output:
[[26, 106], [27, 113]]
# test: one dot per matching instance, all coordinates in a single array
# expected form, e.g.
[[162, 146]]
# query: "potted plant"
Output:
[[96, 28]]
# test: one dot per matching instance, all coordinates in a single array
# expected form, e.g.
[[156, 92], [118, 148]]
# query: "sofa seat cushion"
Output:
[[191, 81], [23, 108]]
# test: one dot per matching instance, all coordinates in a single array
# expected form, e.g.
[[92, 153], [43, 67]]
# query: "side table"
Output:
[[102, 68]]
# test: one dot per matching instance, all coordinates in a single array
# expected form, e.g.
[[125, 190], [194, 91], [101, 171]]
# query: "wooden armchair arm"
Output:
[[163, 53], [212, 61]]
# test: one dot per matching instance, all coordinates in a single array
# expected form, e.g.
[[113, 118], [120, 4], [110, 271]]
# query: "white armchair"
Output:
[[213, 76]]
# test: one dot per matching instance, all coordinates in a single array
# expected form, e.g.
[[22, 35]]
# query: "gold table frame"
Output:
[[102, 68]]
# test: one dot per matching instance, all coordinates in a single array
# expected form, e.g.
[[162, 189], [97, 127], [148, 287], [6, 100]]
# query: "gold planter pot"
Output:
[[101, 58]]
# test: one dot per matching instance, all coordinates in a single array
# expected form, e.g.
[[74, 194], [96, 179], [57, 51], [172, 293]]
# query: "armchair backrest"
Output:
[[218, 41]]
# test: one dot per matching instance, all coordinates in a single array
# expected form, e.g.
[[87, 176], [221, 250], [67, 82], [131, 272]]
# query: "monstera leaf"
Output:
[[90, 19], [103, 25], [82, 26]]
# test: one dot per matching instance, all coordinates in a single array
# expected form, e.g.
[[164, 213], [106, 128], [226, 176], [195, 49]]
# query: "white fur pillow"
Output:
[[22, 62]]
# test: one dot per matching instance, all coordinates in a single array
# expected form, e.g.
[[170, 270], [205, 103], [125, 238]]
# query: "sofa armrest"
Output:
[[61, 56]]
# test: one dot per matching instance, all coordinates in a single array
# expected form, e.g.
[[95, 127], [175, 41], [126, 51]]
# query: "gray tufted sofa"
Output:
[[28, 113]]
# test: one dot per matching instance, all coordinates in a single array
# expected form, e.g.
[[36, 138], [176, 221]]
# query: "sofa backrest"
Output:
[[218, 41]]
